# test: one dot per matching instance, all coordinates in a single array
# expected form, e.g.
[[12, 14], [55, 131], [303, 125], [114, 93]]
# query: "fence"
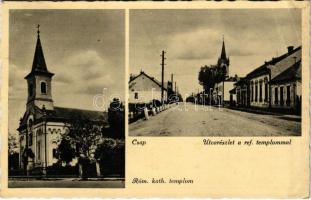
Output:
[[144, 111]]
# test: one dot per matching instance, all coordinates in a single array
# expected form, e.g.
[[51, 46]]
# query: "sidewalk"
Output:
[[265, 112]]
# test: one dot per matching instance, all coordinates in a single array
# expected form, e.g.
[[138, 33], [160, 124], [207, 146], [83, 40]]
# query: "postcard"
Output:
[[155, 99]]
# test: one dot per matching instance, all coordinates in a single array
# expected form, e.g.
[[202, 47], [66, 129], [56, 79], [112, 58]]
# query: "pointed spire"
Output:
[[39, 65], [223, 50], [38, 31], [38, 60]]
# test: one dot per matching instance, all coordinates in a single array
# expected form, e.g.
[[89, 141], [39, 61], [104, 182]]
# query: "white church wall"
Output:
[[55, 131]]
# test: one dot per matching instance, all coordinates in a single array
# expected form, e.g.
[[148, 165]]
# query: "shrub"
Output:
[[110, 154]]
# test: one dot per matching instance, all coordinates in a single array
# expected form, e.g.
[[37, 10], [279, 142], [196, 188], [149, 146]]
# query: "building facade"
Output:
[[221, 91], [144, 89], [258, 87], [286, 89], [241, 92], [274, 85]]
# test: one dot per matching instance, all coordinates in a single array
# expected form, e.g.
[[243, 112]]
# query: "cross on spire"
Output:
[[39, 65]]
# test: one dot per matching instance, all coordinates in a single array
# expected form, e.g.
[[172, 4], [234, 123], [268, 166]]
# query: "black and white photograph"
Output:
[[215, 72], [66, 98]]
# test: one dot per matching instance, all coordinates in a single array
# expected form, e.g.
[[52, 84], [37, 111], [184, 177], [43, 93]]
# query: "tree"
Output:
[[65, 151], [209, 75], [206, 77], [13, 145], [84, 134], [110, 153], [13, 152], [116, 119]]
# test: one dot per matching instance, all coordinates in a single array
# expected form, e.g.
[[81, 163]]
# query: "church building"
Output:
[[221, 91], [43, 123], [223, 60]]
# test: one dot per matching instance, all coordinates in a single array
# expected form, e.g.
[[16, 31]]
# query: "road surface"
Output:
[[188, 119], [66, 183]]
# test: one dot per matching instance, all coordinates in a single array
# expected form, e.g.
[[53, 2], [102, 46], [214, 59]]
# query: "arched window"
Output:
[[30, 89], [260, 91], [252, 91], [30, 124], [256, 91], [43, 88], [266, 89], [30, 139]]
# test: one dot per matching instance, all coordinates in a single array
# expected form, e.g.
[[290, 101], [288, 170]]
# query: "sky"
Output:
[[193, 38], [83, 48]]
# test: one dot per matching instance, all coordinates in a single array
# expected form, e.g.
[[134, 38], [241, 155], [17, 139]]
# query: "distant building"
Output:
[[233, 99], [221, 90], [241, 91], [223, 61], [43, 123], [144, 89]]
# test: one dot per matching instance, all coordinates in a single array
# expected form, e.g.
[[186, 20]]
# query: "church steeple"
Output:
[[38, 64], [39, 80], [223, 49], [223, 60]]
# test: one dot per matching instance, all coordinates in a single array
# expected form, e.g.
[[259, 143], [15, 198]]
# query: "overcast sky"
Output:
[[84, 48], [193, 38]]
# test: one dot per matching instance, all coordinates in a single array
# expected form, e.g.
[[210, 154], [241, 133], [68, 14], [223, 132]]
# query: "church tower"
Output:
[[39, 81], [223, 60]]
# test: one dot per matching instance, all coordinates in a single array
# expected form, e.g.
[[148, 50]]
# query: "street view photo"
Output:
[[66, 99], [215, 72]]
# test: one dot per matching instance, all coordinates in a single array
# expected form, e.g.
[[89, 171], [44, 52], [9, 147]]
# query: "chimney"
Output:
[[290, 49]]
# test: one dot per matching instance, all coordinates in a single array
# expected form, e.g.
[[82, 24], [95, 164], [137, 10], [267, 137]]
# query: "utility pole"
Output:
[[162, 79]]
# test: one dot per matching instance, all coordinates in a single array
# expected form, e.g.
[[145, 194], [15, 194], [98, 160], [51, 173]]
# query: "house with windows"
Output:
[[43, 124], [144, 89], [260, 80], [275, 85], [286, 89], [241, 92], [258, 86]]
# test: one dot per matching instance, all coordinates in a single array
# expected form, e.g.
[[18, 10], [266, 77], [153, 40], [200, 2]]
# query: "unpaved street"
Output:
[[190, 120]]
